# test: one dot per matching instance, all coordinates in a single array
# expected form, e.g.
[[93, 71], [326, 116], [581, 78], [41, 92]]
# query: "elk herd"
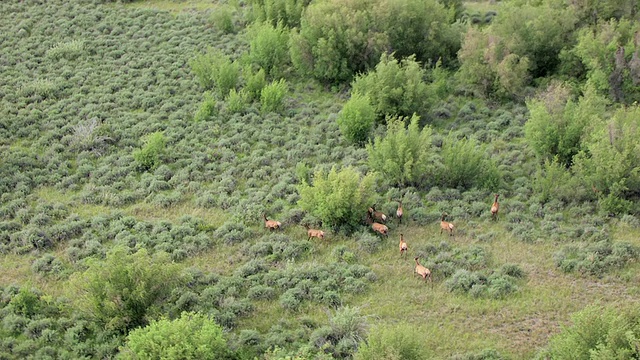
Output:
[[377, 219]]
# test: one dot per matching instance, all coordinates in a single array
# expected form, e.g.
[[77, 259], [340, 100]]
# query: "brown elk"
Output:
[[399, 212], [377, 227], [271, 224], [377, 215], [445, 225], [422, 271], [494, 208], [314, 233], [403, 246]]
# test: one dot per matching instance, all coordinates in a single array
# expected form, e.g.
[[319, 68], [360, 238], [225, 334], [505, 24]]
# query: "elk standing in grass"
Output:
[[399, 212], [377, 215], [314, 233], [494, 208], [445, 225], [422, 271], [403, 246], [377, 227], [271, 224]]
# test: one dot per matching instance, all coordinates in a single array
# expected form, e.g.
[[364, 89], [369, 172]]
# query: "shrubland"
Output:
[[142, 143]]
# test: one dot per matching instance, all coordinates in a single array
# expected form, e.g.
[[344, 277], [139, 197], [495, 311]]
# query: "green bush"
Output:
[[552, 180], [356, 118], [215, 70], [272, 96], [121, 290], [557, 124], [347, 328], [288, 12], [419, 18], [254, 82], [465, 165], [607, 51], [338, 198], [149, 156], [597, 258], [237, 101], [404, 156], [69, 50], [222, 19], [598, 333], [392, 342], [192, 336], [207, 109], [269, 47], [611, 160], [395, 88], [337, 40]]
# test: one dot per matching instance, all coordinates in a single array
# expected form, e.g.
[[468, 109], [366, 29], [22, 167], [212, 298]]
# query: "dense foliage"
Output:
[[141, 148]]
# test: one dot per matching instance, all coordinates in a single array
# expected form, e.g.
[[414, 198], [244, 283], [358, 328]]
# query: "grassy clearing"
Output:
[[174, 6]]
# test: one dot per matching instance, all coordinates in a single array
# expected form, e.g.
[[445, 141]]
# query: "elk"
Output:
[[494, 208], [271, 224], [314, 233], [422, 271], [377, 215], [399, 212], [402, 246], [445, 225], [377, 227]]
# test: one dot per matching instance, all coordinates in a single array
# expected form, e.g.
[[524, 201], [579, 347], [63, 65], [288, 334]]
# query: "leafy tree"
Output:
[[610, 53], [269, 47], [420, 19], [192, 336], [403, 156], [336, 40], [356, 118], [148, 157], [557, 124], [589, 11], [610, 161], [522, 43], [121, 290], [338, 198], [395, 88]]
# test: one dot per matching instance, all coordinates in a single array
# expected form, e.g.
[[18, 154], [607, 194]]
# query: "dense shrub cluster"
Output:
[[597, 332], [34, 325], [596, 258]]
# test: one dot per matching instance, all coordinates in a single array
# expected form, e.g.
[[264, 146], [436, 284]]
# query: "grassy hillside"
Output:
[[85, 84]]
